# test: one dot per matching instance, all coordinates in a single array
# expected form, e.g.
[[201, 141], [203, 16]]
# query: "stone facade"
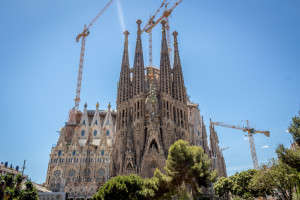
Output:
[[153, 111], [79, 162]]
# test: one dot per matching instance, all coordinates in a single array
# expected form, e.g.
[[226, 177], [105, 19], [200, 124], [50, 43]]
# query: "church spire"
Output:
[[138, 66], [178, 82], [165, 66], [124, 82]]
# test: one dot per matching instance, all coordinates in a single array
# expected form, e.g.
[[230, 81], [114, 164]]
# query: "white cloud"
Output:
[[245, 138], [265, 147], [287, 131], [121, 16]]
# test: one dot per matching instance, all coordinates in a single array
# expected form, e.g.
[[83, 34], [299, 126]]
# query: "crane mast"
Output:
[[250, 132], [151, 24], [78, 89], [83, 35]]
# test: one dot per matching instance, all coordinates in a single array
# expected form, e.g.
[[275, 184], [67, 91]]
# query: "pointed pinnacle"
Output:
[[139, 25], [175, 43], [126, 33], [97, 106], [175, 34], [163, 23], [139, 21]]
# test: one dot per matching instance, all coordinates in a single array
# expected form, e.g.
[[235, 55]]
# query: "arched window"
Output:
[[82, 133], [59, 153], [129, 168], [74, 153], [107, 132], [95, 132]]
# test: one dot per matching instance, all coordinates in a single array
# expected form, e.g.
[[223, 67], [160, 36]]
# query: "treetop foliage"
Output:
[[294, 128], [10, 188], [121, 187], [187, 169]]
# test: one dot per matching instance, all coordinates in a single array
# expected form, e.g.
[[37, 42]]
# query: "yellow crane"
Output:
[[151, 24], [83, 35], [251, 131]]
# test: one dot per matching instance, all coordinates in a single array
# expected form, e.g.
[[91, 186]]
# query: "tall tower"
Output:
[[148, 121], [216, 154], [124, 82]]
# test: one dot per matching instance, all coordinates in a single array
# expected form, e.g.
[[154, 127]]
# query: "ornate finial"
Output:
[[163, 23], [97, 106], [175, 39], [139, 26], [85, 105], [139, 21], [175, 34], [109, 106], [126, 33]]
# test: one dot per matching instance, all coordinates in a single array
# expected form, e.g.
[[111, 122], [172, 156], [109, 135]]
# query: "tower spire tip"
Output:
[[175, 33], [139, 21]]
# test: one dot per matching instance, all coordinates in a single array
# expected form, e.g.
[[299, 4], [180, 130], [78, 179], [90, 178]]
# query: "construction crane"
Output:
[[251, 132], [151, 24], [83, 35], [223, 149]]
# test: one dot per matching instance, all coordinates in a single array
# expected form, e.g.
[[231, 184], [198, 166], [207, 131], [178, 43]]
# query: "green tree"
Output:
[[289, 157], [159, 186], [294, 128], [242, 184], [121, 187], [30, 192], [277, 177], [187, 170], [223, 186], [11, 188]]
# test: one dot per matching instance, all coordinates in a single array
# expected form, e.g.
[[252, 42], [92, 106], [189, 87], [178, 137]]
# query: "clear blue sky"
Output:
[[240, 61]]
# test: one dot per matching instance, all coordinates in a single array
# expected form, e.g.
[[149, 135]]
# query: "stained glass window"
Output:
[[95, 132], [101, 172], [82, 133], [107, 132], [56, 173], [72, 172]]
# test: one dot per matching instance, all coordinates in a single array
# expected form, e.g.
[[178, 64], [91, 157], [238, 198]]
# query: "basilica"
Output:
[[153, 111]]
